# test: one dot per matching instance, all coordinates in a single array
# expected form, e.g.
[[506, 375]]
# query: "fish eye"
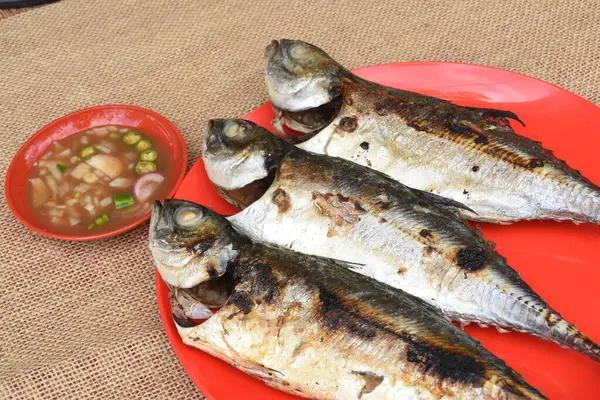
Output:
[[298, 51], [232, 129], [188, 217]]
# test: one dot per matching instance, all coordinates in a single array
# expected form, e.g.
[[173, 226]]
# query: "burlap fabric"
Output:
[[5, 13], [79, 320]]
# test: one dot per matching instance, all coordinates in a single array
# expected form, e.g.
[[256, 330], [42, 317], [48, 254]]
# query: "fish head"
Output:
[[237, 153], [191, 244], [301, 76]]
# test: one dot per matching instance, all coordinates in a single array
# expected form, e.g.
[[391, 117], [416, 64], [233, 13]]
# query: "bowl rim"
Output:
[[181, 158]]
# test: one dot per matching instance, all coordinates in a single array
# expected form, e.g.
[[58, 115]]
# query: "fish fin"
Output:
[[348, 264], [445, 202], [497, 116]]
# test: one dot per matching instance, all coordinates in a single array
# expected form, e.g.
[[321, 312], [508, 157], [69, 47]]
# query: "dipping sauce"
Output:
[[98, 179]]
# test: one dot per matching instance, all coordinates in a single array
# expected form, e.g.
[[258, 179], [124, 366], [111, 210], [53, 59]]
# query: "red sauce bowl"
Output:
[[158, 127]]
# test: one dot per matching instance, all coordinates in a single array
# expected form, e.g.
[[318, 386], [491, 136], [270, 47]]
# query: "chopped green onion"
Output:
[[131, 138], [77, 195], [143, 167], [148, 155], [90, 226], [143, 145], [101, 220], [87, 151], [61, 168], [123, 200]]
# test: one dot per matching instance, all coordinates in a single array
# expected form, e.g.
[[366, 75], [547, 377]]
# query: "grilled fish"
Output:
[[406, 238], [471, 155], [312, 327]]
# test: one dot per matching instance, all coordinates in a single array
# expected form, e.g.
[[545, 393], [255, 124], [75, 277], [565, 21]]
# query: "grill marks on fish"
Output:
[[440, 118], [241, 301], [339, 313], [201, 244], [445, 364], [259, 286], [292, 171], [443, 360], [337, 316], [256, 283]]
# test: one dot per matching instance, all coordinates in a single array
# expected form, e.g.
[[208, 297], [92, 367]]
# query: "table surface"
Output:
[[80, 320]]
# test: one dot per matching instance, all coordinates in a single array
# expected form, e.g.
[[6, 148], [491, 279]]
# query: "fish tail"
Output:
[[576, 340], [536, 317], [556, 328]]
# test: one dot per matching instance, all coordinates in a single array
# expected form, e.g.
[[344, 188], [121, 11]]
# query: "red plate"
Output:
[[558, 260], [158, 127]]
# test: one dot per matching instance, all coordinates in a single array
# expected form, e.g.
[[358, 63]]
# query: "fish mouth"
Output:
[[157, 208], [271, 49], [155, 219], [300, 126], [194, 306], [276, 57], [212, 138], [160, 227]]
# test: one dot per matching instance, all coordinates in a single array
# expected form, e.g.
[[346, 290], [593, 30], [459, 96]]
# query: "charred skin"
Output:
[[406, 238], [468, 154], [312, 327]]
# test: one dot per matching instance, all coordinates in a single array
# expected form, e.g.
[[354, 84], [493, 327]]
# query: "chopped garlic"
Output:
[[90, 177]]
